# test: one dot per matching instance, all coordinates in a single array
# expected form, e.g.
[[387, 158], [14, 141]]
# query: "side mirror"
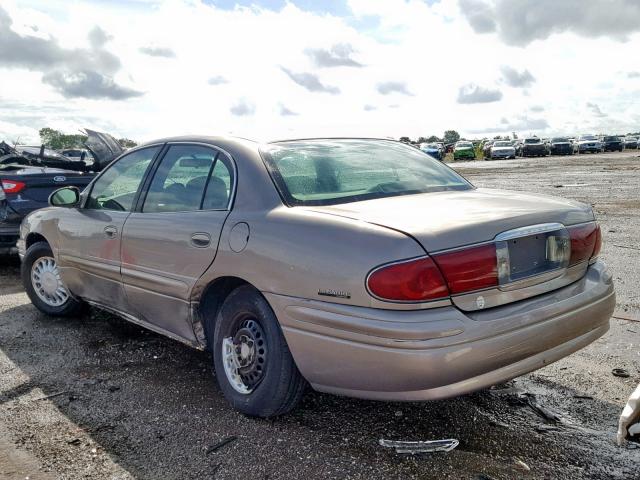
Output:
[[68, 197]]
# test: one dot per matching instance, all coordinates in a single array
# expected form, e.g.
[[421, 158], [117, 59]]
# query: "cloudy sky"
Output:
[[268, 69]]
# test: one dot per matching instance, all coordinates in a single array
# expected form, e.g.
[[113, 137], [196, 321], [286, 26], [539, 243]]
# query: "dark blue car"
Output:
[[432, 149]]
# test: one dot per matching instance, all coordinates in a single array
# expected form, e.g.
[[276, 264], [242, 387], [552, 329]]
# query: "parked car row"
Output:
[[541, 147]]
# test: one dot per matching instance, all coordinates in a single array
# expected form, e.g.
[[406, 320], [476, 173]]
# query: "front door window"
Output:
[[117, 187]]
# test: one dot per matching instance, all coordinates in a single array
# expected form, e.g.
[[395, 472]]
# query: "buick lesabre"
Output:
[[361, 267]]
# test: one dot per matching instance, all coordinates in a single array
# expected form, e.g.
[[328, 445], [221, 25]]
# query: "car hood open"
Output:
[[450, 219], [103, 147]]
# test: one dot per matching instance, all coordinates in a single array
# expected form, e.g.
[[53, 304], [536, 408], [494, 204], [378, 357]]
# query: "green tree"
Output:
[[127, 143], [405, 139], [57, 140], [451, 136], [433, 139]]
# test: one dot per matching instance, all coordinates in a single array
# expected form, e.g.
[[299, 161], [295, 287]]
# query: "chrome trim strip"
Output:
[[527, 231], [534, 280]]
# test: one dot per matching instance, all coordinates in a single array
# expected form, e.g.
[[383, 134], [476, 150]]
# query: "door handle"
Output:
[[110, 231], [200, 240]]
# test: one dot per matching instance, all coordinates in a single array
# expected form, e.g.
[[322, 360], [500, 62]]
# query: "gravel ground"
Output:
[[95, 397]]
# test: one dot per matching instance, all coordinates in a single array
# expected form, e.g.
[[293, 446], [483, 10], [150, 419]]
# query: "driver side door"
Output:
[[90, 236]]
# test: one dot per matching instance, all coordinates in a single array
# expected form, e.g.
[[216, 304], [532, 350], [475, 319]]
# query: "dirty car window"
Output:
[[329, 172], [116, 188]]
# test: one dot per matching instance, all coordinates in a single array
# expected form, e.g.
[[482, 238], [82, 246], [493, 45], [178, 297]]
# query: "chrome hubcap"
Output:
[[244, 357], [45, 279]]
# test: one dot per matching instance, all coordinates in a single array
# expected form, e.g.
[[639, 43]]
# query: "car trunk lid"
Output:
[[526, 228]]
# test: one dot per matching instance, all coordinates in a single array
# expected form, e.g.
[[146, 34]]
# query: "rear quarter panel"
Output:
[[299, 253]]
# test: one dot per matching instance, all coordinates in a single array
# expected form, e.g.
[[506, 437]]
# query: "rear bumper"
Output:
[[562, 150], [589, 149], [529, 152], [502, 154], [9, 234], [439, 353]]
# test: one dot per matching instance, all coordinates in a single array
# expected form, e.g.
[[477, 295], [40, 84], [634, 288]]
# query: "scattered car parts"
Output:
[[29, 175], [420, 447]]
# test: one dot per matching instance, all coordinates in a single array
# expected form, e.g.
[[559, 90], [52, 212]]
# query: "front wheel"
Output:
[[252, 361], [41, 279]]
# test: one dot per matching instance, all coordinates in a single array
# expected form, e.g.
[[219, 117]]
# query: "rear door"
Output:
[[172, 237], [90, 236]]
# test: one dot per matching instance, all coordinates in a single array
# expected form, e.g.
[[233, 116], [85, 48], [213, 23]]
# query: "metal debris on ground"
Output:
[[624, 316], [620, 372], [522, 465], [541, 410], [47, 397], [220, 444], [419, 448], [630, 418]]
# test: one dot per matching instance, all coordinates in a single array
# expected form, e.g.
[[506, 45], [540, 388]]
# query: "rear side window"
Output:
[[189, 178], [219, 188], [116, 188]]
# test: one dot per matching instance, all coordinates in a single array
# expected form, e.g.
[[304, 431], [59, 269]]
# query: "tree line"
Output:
[[56, 140]]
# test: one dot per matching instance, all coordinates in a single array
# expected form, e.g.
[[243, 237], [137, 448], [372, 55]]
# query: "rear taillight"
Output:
[[598, 245], [586, 241], [416, 280], [470, 269], [12, 186]]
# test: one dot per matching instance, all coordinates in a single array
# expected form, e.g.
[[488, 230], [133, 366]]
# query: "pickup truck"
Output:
[[27, 178]]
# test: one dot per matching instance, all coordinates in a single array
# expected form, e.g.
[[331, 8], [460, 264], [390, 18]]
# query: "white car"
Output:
[[502, 149], [589, 143]]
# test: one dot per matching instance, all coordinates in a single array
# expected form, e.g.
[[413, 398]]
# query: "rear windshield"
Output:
[[611, 139], [560, 140], [588, 137], [464, 145], [503, 144], [532, 140], [330, 172]]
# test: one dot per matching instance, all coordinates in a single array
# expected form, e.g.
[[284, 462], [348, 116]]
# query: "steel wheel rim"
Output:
[[244, 356], [46, 282]]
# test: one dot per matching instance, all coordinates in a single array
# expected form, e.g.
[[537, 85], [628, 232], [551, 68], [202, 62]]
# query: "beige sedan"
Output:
[[361, 267]]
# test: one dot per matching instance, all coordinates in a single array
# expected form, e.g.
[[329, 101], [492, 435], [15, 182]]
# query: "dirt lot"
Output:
[[96, 398]]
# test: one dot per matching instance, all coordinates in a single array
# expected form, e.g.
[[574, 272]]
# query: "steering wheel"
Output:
[[112, 204]]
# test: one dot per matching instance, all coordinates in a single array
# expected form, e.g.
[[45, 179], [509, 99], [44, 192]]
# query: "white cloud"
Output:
[[231, 78]]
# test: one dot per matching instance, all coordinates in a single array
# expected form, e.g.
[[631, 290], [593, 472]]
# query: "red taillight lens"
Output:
[[12, 186], [412, 281], [598, 245], [586, 241], [470, 269]]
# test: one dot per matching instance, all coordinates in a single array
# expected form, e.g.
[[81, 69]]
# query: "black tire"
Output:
[[281, 385], [70, 307]]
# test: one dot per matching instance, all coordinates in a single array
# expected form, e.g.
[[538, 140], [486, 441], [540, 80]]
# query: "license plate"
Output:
[[531, 251]]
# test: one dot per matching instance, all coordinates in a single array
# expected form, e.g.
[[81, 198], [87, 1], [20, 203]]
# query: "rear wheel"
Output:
[[252, 361], [41, 280]]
